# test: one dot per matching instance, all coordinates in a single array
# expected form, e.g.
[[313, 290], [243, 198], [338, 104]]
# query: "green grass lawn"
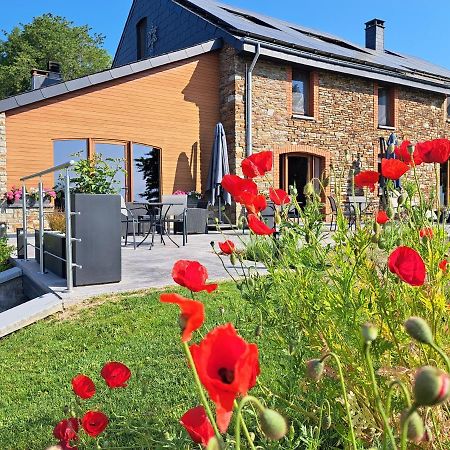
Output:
[[38, 363]]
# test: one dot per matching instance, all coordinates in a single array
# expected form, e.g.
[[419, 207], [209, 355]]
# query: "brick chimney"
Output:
[[44, 78], [375, 34]]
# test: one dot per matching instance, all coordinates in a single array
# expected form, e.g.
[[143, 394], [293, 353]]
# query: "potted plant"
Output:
[[13, 196], [96, 223]]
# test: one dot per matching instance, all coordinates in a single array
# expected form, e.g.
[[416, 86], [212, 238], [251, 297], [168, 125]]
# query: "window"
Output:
[[448, 108], [385, 107], [141, 33], [301, 92], [114, 154], [146, 173], [68, 150]]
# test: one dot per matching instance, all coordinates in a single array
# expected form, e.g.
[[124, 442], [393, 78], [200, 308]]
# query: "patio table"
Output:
[[153, 211]]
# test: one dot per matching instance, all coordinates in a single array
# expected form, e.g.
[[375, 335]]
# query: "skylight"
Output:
[[250, 18]]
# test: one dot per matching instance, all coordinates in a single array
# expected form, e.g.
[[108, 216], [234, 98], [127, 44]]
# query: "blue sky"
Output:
[[415, 27]]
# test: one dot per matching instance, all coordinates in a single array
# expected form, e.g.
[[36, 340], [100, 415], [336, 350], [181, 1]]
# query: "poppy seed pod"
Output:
[[273, 424], [369, 332], [419, 330], [416, 428], [314, 369], [431, 386], [233, 259]]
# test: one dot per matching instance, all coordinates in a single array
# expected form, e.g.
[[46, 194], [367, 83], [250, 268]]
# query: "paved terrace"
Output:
[[144, 268]]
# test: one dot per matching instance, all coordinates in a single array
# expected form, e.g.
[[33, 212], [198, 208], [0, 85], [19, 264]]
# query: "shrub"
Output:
[[5, 254]]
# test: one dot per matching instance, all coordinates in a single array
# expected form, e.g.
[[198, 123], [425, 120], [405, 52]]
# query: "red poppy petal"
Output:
[[408, 265], [393, 168], [258, 226]]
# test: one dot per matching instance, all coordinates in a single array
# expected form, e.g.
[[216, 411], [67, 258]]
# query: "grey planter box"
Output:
[[97, 224], [55, 243]]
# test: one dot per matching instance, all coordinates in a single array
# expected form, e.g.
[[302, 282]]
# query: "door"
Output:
[[297, 170], [444, 184]]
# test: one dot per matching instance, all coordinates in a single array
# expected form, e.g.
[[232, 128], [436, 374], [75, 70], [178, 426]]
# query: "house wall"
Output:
[[169, 27], [174, 108], [344, 122]]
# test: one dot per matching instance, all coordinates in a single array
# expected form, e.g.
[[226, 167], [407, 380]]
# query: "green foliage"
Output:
[[96, 175], [5, 253], [49, 38]]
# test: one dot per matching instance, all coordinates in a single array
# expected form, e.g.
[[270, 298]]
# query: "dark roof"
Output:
[[77, 84], [243, 24]]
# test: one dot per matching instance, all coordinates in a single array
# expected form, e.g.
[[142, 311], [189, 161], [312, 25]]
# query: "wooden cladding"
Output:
[[174, 108]]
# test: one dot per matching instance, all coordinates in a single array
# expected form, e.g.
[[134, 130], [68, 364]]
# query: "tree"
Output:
[[49, 38]]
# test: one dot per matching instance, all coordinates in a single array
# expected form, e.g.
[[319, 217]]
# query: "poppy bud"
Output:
[[233, 259], [212, 244], [326, 182], [273, 424], [277, 218], [314, 369], [431, 386], [369, 332], [375, 239], [258, 331], [214, 444], [294, 191], [308, 189], [410, 149], [381, 244], [216, 220], [401, 200], [376, 228], [390, 212], [419, 330], [416, 428]]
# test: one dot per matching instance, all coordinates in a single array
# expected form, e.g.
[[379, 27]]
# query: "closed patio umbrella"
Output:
[[218, 169]]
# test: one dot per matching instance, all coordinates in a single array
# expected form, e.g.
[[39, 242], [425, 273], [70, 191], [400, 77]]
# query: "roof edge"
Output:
[[94, 79]]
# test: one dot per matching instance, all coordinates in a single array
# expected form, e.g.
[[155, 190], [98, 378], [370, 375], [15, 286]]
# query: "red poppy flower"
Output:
[[83, 386], [258, 226], [116, 374], [257, 164], [443, 265], [403, 154], [382, 217], [239, 187], [367, 178], [66, 430], [279, 196], [255, 204], [393, 168], [426, 232], [197, 424], [192, 313], [408, 265], [192, 275], [227, 366], [227, 247], [435, 151], [94, 423]]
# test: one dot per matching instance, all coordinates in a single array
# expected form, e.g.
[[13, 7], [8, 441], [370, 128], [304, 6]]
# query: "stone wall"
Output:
[[2, 152], [345, 120]]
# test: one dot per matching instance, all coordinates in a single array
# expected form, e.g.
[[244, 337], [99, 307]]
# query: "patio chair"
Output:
[[174, 212], [348, 211], [127, 218]]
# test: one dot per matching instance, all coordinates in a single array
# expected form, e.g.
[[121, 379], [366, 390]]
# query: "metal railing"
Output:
[[68, 214]]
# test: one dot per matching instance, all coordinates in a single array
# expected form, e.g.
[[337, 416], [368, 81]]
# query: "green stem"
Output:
[[442, 354], [344, 393], [240, 420], [201, 392], [387, 427], [403, 388], [404, 429]]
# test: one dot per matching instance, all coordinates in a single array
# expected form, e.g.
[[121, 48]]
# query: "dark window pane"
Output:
[[141, 31], [384, 107], [114, 156], [300, 92], [68, 150], [146, 173], [448, 107]]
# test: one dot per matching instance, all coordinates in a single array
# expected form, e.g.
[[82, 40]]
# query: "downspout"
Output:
[[248, 103]]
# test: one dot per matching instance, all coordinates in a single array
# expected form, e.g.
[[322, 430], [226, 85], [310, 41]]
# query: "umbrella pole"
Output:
[[220, 206]]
